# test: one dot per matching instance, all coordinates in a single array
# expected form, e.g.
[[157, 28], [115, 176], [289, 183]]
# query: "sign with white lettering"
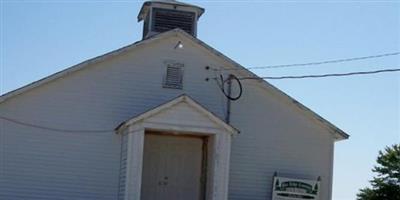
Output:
[[295, 189]]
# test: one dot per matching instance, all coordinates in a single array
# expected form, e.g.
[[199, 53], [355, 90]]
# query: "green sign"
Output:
[[295, 189]]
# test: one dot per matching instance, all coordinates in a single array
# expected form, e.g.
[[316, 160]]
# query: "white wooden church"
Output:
[[163, 118]]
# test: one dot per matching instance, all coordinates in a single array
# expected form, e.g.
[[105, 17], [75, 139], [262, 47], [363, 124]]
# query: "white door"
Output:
[[172, 167]]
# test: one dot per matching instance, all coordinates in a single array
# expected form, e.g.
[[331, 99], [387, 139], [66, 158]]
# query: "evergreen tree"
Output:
[[386, 185]]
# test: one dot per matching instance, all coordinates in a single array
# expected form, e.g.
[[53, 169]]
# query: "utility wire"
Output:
[[52, 128], [315, 63], [15, 121], [322, 75]]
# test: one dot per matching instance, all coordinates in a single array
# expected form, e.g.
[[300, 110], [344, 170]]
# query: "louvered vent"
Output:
[[174, 76], [165, 19]]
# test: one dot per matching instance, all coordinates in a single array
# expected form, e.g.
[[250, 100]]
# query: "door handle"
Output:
[[162, 182]]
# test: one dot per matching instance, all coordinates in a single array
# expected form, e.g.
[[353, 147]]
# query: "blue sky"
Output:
[[39, 38]]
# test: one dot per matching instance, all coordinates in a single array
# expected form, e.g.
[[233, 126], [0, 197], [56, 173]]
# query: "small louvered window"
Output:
[[165, 20], [174, 76]]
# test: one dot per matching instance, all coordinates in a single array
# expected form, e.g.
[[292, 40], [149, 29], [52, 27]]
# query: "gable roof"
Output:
[[169, 104], [338, 133]]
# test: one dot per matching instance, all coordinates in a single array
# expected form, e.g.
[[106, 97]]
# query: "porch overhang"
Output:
[[221, 124]]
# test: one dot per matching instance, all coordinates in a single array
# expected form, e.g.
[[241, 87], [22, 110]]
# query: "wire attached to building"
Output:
[[52, 128], [322, 75], [315, 63], [222, 86]]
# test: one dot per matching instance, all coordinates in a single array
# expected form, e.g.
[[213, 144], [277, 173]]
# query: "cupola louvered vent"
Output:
[[165, 20], [164, 15], [174, 76]]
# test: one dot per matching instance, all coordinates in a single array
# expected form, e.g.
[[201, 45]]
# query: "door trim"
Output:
[[218, 142]]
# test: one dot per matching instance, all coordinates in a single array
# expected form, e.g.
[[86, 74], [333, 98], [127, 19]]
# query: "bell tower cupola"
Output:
[[163, 15]]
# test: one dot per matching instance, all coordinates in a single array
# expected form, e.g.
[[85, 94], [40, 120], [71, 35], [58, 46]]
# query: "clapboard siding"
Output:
[[275, 140], [46, 165], [40, 164]]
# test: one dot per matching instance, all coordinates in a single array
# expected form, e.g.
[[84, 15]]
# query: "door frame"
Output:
[[218, 156]]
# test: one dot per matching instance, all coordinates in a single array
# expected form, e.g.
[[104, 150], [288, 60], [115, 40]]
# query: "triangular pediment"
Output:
[[181, 111]]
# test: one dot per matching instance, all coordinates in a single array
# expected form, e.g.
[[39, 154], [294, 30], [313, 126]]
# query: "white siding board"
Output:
[[54, 166], [274, 139], [37, 164]]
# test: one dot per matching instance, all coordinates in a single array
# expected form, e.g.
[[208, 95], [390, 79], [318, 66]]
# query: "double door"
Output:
[[172, 167]]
